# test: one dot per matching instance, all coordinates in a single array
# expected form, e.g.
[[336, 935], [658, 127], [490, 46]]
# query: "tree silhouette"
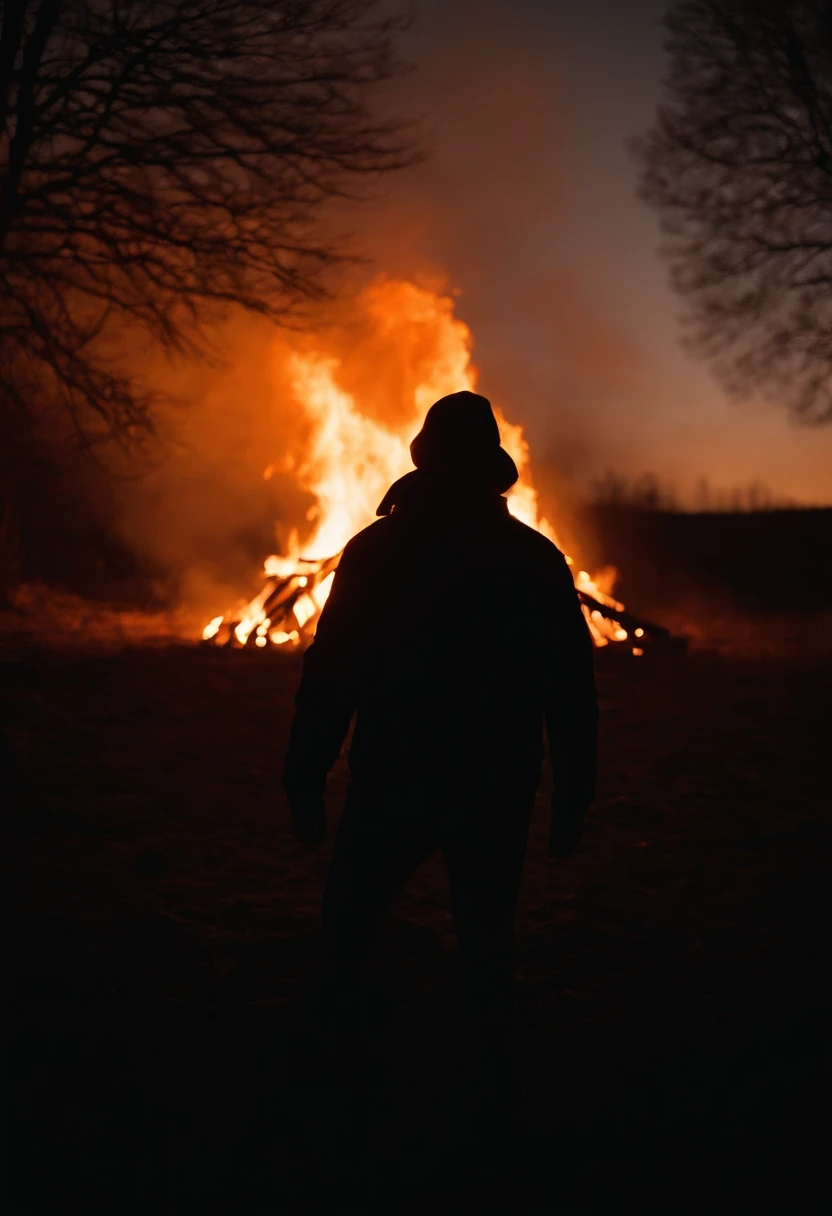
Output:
[[739, 168], [160, 161]]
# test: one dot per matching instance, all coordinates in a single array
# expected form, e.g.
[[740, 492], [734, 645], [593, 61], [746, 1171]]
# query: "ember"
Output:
[[352, 457]]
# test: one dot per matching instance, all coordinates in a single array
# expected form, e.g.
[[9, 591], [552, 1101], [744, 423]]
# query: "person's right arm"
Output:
[[570, 708]]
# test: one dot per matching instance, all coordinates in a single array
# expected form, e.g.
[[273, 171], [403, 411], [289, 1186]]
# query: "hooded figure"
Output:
[[452, 635]]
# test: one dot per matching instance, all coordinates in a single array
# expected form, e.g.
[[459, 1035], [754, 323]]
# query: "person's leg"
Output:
[[376, 849], [380, 842], [485, 859]]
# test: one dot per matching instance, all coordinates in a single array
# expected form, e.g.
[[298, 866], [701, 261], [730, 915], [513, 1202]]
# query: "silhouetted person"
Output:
[[452, 633]]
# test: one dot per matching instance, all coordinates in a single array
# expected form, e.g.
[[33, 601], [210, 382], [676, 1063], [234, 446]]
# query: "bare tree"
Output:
[[739, 168], [162, 160]]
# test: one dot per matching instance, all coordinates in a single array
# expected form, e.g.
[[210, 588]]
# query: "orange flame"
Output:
[[353, 454]]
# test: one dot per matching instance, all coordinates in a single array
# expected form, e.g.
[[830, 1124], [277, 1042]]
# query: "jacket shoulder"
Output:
[[368, 542], [537, 547]]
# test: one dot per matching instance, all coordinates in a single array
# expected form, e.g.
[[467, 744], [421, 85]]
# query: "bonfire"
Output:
[[352, 453]]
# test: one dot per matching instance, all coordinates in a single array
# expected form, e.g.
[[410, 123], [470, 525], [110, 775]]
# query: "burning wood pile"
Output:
[[286, 612], [352, 452]]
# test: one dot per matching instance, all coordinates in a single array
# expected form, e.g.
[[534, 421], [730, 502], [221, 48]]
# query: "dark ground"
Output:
[[674, 1042]]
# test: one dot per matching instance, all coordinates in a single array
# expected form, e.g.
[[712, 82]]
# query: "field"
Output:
[[673, 1049]]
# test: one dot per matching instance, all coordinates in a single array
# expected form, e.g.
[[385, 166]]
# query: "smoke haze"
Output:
[[528, 202], [526, 208]]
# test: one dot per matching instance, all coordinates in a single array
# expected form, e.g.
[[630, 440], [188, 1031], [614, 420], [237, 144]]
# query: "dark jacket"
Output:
[[452, 633]]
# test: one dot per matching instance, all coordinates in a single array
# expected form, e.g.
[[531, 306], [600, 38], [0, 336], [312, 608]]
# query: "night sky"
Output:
[[528, 202]]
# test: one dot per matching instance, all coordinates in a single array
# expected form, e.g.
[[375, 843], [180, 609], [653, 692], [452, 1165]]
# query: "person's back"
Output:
[[452, 634], [452, 630]]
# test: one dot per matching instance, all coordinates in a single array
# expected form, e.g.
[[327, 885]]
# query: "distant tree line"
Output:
[[647, 492]]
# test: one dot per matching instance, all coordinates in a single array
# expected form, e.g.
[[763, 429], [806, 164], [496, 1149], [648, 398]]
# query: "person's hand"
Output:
[[308, 817], [565, 830]]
